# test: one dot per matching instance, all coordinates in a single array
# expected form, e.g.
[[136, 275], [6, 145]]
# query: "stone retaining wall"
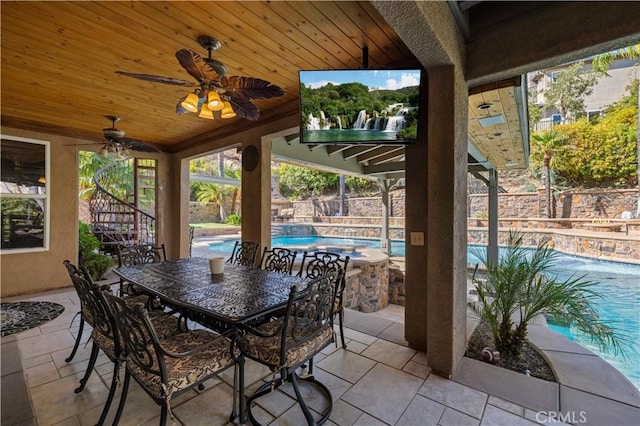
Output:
[[603, 246], [570, 204]]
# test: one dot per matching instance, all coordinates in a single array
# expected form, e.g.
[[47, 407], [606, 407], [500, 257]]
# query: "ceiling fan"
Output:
[[119, 146], [213, 90]]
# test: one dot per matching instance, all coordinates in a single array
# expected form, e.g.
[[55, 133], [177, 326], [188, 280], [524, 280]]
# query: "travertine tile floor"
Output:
[[378, 380]]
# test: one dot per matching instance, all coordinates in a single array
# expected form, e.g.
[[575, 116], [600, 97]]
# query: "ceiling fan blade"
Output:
[[159, 79], [252, 88], [196, 66], [136, 145], [243, 107]]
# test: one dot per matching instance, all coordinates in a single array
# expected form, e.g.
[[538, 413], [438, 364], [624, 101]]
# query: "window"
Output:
[[24, 194], [554, 76]]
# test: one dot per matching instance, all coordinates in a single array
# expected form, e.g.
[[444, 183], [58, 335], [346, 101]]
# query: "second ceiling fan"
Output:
[[214, 91]]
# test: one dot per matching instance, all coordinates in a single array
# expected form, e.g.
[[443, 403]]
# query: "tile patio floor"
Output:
[[378, 380]]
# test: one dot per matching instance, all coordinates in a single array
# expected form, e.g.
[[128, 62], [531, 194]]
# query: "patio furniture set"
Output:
[[263, 312]]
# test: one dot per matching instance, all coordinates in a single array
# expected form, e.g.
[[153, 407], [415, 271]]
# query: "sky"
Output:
[[374, 79]]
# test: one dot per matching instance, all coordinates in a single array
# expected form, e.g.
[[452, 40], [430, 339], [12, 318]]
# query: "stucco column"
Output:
[[256, 192], [435, 315]]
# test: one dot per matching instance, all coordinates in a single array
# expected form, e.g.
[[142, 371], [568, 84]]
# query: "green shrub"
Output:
[[233, 219], [97, 264]]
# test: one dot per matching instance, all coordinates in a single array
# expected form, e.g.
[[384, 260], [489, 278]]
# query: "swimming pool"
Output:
[[397, 246], [619, 284], [620, 307]]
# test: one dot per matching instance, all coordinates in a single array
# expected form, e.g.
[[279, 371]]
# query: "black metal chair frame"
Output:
[[278, 259], [308, 315], [319, 263], [145, 352], [102, 325], [83, 295], [129, 255], [244, 253], [104, 334], [191, 232]]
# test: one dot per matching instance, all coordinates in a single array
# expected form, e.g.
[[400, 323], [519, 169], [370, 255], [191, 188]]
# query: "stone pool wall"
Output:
[[367, 288]]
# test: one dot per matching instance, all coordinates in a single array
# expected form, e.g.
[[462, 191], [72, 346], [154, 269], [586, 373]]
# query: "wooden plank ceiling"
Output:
[[59, 61]]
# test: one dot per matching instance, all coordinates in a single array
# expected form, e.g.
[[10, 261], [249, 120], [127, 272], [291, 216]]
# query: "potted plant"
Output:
[[520, 283], [88, 244]]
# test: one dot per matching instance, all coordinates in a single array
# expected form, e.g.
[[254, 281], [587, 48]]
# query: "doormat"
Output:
[[16, 317]]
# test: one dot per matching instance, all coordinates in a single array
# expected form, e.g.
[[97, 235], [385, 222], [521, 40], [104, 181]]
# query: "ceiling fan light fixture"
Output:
[[213, 101], [227, 110], [190, 103], [104, 151], [206, 112]]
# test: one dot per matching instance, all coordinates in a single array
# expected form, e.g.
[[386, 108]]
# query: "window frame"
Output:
[[42, 196]]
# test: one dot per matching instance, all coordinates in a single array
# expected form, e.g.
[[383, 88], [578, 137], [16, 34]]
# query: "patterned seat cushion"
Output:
[[86, 314], [184, 372], [267, 349], [165, 326]]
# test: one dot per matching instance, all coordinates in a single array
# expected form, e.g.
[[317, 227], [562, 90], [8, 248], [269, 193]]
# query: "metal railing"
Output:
[[114, 215]]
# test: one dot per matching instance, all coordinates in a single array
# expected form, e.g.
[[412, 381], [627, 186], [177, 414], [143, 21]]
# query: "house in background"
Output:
[[609, 89]]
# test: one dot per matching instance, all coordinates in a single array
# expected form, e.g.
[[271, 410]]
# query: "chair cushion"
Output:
[[86, 314], [165, 326], [184, 372], [267, 349], [105, 343]]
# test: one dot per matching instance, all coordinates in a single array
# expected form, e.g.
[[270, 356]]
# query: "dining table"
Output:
[[236, 297], [239, 297]]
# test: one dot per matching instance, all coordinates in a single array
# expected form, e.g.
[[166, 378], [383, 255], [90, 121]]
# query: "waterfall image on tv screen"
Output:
[[365, 106]]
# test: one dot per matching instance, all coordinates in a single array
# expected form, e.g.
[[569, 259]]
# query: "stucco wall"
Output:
[[43, 270], [24, 273]]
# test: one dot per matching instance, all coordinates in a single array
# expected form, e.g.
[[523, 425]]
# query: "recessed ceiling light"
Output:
[[484, 106], [492, 120]]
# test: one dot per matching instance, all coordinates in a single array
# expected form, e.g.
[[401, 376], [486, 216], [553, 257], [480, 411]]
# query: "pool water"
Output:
[[397, 246], [619, 286]]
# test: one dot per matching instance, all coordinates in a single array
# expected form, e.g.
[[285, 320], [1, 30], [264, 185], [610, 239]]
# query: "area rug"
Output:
[[21, 316]]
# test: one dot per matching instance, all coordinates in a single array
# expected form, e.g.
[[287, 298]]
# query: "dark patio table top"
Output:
[[238, 295]]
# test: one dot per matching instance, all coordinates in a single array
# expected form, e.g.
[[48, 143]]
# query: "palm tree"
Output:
[[89, 163], [549, 143], [213, 192], [520, 283]]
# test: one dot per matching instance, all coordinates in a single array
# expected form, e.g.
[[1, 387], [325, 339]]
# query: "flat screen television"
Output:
[[362, 106]]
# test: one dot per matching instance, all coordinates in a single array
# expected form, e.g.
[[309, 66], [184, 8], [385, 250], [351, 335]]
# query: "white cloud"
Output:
[[321, 83], [405, 81]]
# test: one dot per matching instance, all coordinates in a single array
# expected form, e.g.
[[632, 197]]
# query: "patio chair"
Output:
[[103, 333], [278, 260], [169, 367], [320, 263], [192, 230], [84, 312], [244, 253], [130, 255], [290, 341]]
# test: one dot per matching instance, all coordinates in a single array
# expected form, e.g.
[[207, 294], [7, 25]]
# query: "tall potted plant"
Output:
[[519, 286]]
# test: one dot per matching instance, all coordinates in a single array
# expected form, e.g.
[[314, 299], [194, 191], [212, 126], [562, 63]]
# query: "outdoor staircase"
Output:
[[123, 203]]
